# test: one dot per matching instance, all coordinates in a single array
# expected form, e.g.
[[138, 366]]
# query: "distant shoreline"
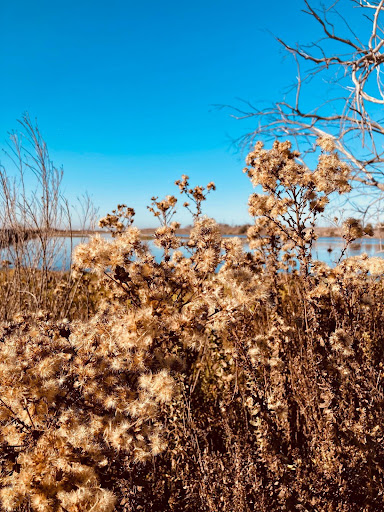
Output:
[[148, 233]]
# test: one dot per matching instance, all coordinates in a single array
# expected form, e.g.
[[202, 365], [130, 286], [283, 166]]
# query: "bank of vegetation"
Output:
[[221, 379]]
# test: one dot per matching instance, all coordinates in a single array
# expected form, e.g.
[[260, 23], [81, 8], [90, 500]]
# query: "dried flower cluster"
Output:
[[197, 194], [76, 401], [294, 196], [214, 379], [118, 221]]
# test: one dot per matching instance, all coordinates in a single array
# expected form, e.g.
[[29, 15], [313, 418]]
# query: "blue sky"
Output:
[[125, 92]]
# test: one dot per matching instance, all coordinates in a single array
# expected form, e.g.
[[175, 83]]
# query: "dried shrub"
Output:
[[215, 379]]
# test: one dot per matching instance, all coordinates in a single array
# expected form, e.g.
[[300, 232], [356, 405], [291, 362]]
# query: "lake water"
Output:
[[327, 249]]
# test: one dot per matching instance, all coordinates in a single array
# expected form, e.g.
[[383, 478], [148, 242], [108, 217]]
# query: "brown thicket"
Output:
[[215, 379]]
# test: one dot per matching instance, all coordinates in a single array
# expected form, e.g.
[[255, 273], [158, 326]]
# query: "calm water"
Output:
[[325, 249]]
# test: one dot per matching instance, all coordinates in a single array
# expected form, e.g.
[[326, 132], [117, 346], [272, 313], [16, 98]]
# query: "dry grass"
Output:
[[32, 211]]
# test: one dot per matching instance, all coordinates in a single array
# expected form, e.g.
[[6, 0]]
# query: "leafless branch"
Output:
[[352, 119]]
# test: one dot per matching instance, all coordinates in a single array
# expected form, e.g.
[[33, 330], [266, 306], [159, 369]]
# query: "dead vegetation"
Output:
[[217, 380]]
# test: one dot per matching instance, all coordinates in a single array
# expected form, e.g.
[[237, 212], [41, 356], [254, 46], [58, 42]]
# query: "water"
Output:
[[326, 249]]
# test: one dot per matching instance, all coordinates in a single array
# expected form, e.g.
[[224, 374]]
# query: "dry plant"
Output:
[[215, 379], [32, 210], [77, 405]]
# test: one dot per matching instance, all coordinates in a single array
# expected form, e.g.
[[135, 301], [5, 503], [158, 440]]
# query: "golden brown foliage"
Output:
[[215, 379]]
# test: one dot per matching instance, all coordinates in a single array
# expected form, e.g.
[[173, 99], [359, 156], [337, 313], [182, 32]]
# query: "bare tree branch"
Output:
[[341, 59]]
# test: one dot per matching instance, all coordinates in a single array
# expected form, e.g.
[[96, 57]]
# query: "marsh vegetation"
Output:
[[224, 377]]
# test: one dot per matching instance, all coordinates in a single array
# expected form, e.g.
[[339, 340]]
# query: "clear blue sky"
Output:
[[124, 91]]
